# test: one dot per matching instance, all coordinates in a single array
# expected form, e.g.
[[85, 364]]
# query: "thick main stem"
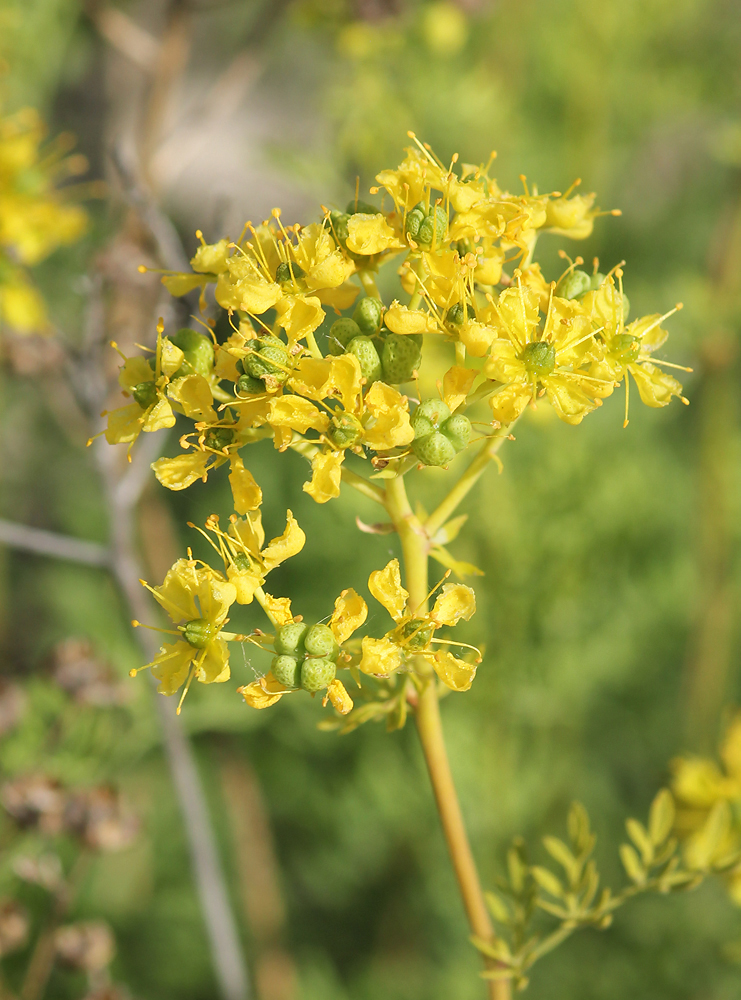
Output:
[[429, 726]]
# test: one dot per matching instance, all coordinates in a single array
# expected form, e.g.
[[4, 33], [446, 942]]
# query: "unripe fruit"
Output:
[[458, 313], [416, 634], [199, 632], [344, 430], [365, 351], [290, 639], [341, 332], [625, 347], [434, 449], [574, 284], [400, 358], [364, 207], [367, 315], [218, 438], [317, 673], [270, 359], [320, 641], [286, 670], [145, 393], [539, 358], [338, 226], [288, 273], [246, 385], [457, 429], [433, 229], [198, 350], [429, 416]]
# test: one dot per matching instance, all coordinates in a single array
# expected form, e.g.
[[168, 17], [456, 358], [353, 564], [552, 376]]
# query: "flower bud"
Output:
[[198, 350], [320, 641], [400, 357], [200, 632], [317, 673], [368, 314], [290, 639], [345, 430], [434, 449], [457, 429], [145, 393], [575, 284], [218, 438], [286, 670], [341, 332], [539, 358], [370, 364]]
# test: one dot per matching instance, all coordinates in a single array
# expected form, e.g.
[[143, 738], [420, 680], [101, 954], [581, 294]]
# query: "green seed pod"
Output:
[[365, 351], [338, 226], [198, 349], [400, 358], [368, 314], [574, 285], [416, 634], [246, 385], [625, 348], [317, 673], [200, 632], [270, 358], [364, 207], [290, 639], [434, 449], [429, 416], [145, 393], [539, 358], [288, 272], [596, 280], [218, 438], [341, 332], [414, 220], [432, 231], [345, 430], [320, 641], [242, 562], [286, 670], [457, 429], [458, 313]]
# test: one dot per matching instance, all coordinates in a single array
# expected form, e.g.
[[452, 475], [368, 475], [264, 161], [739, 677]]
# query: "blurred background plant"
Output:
[[608, 608]]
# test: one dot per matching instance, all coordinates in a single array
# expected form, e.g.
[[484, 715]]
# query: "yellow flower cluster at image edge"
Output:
[[317, 361]]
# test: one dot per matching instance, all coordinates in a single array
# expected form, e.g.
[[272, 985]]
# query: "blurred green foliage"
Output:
[[588, 538]]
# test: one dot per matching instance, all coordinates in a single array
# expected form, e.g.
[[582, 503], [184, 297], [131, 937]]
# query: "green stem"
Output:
[[414, 545], [313, 347], [369, 284], [369, 490], [466, 483]]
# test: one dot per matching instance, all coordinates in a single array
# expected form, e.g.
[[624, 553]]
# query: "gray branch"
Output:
[[49, 543]]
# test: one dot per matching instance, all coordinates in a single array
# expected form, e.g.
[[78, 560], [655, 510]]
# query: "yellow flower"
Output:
[[572, 217], [197, 599], [371, 234], [415, 631]]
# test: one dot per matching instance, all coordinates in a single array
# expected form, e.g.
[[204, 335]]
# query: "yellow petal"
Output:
[[347, 381], [249, 531], [400, 319], [257, 697], [311, 377], [697, 782], [325, 476], [158, 417], [213, 668], [296, 413], [124, 424], [350, 611], [172, 666], [215, 596], [245, 582], [177, 594], [211, 257], [341, 700], [249, 292], [569, 399], [133, 371], [655, 387], [171, 357], [333, 271], [457, 384], [181, 284], [369, 234], [339, 298], [730, 751], [299, 315], [245, 491], [455, 602], [477, 337], [380, 657], [385, 585], [454, 673], [503, 364], [286, 545], [279, 608], [23, 308], [193, 393], [178, 473], [507, 404]]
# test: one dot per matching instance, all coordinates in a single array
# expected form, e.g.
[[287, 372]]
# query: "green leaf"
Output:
[[497, 907], [632, 865], [548, 881], [459, 566], [449, 531], [561, 853], [578, 827], [661, 817], [497, 948], [702, 847], [639, 835]]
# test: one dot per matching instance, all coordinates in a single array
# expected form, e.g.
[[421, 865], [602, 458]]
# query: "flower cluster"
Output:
[[310, 354], [35, 216]]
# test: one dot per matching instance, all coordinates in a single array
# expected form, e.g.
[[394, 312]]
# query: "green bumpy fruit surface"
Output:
[[218, 438], [429, 416], [145, 393], [270, 359], [289, 272], [286, 670], [344, 430], [290, 639], [317, 673], [400, 358], [361, 207], [457, 429], [320, 641], [246, 385], [341, 332], [574, 285], [365, 351], [199, 632], [434, 449], [367, 315], [198, 350]]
